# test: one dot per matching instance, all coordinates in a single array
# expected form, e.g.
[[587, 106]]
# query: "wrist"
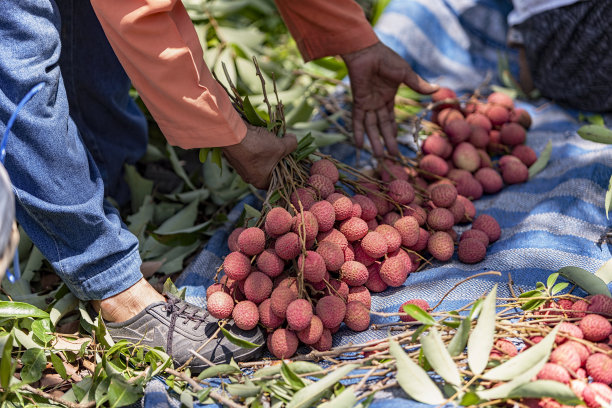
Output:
[[350, 56]]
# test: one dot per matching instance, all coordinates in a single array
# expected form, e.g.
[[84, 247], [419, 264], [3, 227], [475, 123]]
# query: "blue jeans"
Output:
[[67, 149]]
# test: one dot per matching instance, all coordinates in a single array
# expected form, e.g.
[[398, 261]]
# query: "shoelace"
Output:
[[174, 310]]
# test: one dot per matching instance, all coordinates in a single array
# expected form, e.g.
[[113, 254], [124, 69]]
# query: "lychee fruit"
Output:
[[391, 235], [270, 263], [458, 131], [267, 317], [521, 116], [579, 349], [437, 145], [325, 215], [220, 305], [512, 134], [447, 115], [383, 206], [283, 343], [360, 294], [322, 185], [305, 196], [288, 246], [514, 172], [469, 187], [440, 219], [458, 210], [443, 195], [488, 225], [281, 298], [354, 273], [237, 266], [278, 221], [375, 283], [566, 356], [246, 315], [471, 250], [374, 244], [485, 159], [393, 272], [257, 287], [362, 256], [232, 240], [299, 314], [595, 393], [600, 304], [569, 329], [392, 171], [466, 157], [331, 310], [479, 138], [313, 266], [599, 367], [422, 303], [354, 229], [390, 218], [475, 234], [357, 317], [332, 255], [499, 98], [443, 94], [490, 179], [312, 333], [401, 191], [498, 115], [595, 327], [440, 245], [325, 342], [343, 206], [305, 223], [478, 120], [434, 165], [554, 372], [506, 347], [421, 243], [525, 154], [368, 209], [340, 289], [325, 168], [417, 212], [356, 212]]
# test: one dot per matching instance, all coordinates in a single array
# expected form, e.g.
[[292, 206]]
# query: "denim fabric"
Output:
[[70, 141]]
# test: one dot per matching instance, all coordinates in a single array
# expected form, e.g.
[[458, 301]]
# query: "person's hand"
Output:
[[255, 157], [376, 73]]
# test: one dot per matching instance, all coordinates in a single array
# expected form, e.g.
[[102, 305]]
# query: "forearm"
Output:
[[159, 49]]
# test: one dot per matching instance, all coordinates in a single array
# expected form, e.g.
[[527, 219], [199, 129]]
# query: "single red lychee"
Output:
[[220, 305], [554, 372], [304, 196], [246, 315], [434, 165], [343, 206], [401, 191], [354, 229], [313, 266], [299, 314], [270, 263], [443, 195], [325, 168], [288, 246], [525, 154], [321, 185], [357, 317], [440, 219], [488, 225], [393, 272], [512, 134], [331, 310], [354, 273], [374, 244], [267, 316], [332, 255], [466, 157], [471, 250], [418, 302], [283, 343], [237, 266], [278, 221], [257, 287], [325, 215], [458, 131], [232, 240], [595, 327], [599, 367], [312, 333], [368, 209], [440, 245]]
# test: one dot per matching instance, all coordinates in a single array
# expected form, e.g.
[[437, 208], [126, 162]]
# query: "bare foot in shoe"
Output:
[[129, 303]]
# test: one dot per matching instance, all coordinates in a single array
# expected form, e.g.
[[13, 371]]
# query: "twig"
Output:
[[217, 396], [59, 400], [463, 281]]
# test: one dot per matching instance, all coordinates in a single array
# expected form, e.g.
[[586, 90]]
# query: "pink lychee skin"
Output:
[[237, 266], [288, 246], [278, 221], [332, 255], [270, 263], [357, 316], [441, 246], [343, 206], [283, 343], [245, 315], [374, 244], [434, 164], [232, 240], [360, 294], [305, 196], [257, 287], [554, 372], [393, 272], [525, 153], [443, 195], [354, 228], [408, 228], [440, 219], [331, 310], [267, 316], [391, 235], [422, 303], [325, 215], [599, 367], [569, 329], [488, 225], [354, 273], [220, 305], [299, 314], [321, 184], [471, 250], [596, 389], [490, 179], [325, 342], [335, 237], [375, 283], [566, 357], [281, 298], [595, 327], [305, 223], [312, 333], [326, 168], [313, 266], [401, 191], [368, 208], [514, 172], [600, 304]]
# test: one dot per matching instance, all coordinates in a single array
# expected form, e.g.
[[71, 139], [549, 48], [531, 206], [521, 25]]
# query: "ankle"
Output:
[[128, 303]]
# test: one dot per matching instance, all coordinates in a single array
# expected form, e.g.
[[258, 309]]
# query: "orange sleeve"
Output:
[[326, 27], [159, 49]]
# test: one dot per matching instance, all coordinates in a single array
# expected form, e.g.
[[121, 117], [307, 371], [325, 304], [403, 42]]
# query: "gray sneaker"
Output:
[[178, 327]]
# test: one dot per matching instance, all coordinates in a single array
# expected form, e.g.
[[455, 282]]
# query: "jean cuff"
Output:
[[123, 275]]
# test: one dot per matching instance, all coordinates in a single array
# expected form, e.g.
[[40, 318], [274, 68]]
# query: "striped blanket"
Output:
[[554, 220]]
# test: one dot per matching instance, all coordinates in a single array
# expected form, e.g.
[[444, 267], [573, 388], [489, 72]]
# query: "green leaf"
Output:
[[504, 390], [346, 399], [542, 161], [34, 362], [204, 154], [216, 158], [588, 281], [459, 340], [58, 365], [558, 288], [140, 187], [596, 133], [66, 304], [218, 371], [184, 237], [25, 340], [178, 168], [524, 360], [605, 272], [101, 393], [6, 364], [101, 334], [533, 304], [552, 278], [251, 212], [171, 289], [608, 200], [546, 388], [19, 310], [180, 221], [298, 367], [413, 379], [481, 340], [469, 399], [243, 390], [251, 114], [419, 314], [313, 392], [237, 341], [291, 378], [439, 358], [120, 393], [530, 293], [203, 394]]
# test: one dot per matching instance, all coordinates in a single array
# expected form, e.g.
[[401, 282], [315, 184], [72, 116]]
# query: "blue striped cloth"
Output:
[[554, 220]]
